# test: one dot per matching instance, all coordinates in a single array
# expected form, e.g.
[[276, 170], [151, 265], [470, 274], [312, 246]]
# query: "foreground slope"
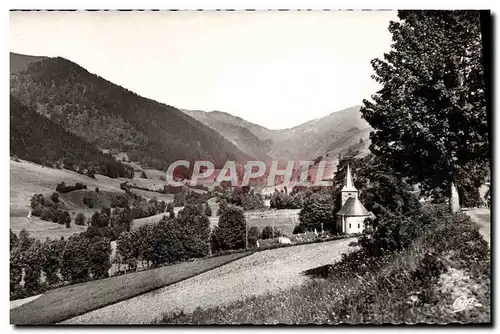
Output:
[[69, 301], [111, 116]]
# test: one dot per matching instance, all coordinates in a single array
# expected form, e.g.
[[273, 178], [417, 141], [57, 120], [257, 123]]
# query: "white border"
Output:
[[193, 5]]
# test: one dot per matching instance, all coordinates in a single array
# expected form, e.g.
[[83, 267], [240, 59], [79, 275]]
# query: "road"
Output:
[[481, 217]]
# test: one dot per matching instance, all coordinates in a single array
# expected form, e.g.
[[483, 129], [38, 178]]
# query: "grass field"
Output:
[[260, 273], [27, 179], [73, 300]]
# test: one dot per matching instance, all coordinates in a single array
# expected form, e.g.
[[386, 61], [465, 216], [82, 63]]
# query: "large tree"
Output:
[[430, 119]]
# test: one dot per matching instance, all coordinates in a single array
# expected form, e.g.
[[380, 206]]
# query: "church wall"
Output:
[[352, 224]]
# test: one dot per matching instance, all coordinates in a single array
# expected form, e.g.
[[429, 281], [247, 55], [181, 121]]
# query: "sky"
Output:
[[276, 69]]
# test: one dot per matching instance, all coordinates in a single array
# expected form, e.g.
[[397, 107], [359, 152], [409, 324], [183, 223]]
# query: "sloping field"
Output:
[[257, 274], [66, 302]]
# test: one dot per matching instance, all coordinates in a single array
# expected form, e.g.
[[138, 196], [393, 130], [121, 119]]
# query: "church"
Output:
[[352, 214]]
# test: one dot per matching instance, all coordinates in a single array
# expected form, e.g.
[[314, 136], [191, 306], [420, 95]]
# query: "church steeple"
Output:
[[348, 190], [348, 183]]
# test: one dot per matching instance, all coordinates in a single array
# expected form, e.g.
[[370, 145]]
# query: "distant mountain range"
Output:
[[108, 116], [328, 135]]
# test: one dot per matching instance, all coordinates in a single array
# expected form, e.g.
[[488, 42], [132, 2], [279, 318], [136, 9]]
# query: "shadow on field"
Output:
[[319, 272]]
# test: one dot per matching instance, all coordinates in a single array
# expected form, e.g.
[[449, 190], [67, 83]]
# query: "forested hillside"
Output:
[[110, 116], [38, 139]]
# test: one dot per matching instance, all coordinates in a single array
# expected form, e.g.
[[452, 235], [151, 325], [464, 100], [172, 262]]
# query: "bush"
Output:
[[143, 175], [97, 189]]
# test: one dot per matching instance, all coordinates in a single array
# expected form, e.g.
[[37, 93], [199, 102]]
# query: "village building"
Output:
[[352, 214]]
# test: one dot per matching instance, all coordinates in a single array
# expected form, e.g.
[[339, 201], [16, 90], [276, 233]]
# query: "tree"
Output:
[[14, 240], [429, 119], [80, 219], [207, 209], [97, 189], [75, 259], [318, 208], [194, 231], [98, 256], [55, 197], [143, 175], [268, 233], [253, 236], [67, 219], [230, 232], [51, 253]]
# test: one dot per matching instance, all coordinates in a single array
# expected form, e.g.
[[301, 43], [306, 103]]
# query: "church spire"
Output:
[[348, 183]]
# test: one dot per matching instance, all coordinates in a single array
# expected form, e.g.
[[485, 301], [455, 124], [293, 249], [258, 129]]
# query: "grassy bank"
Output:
[[419, 284], [73, 300]]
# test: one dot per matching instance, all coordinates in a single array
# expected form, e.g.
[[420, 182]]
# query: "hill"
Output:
[[326, 135], [110, 116], [38, 139]]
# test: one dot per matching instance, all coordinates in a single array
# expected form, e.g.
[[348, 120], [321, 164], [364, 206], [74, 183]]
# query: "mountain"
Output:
[[327, 135], [316, 137], [20, 62], [38, 139], [237, 131], [110, 116]]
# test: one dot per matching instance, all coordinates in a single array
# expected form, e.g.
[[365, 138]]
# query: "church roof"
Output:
[[353, 207], [348, 183]]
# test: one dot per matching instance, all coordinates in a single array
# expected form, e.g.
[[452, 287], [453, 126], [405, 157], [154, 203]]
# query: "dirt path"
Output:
[[257, 274], [482, 217]]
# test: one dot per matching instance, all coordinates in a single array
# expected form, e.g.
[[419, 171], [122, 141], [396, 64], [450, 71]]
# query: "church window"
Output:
[[349, 225], [358, 225]]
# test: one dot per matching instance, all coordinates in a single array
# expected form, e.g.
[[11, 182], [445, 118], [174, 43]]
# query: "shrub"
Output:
[[97, 189], [143, 175]]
